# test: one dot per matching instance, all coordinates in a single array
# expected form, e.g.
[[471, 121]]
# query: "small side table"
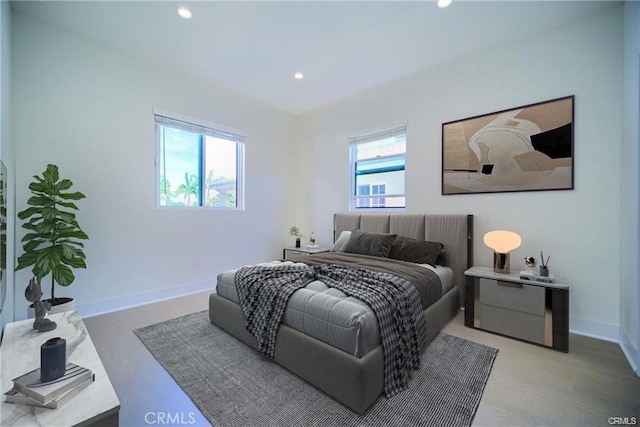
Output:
[[302, 250], [528, 310], [98, 404]]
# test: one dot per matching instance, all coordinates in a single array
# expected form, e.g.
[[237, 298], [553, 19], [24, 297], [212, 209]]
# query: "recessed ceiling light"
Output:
[[184, 12], [298, 75], [443, 3]]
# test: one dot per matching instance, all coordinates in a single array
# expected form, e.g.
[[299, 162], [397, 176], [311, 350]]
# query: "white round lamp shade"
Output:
[[502, 241]]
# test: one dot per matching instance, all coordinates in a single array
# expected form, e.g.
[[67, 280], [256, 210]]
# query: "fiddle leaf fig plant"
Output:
[[52, 244]]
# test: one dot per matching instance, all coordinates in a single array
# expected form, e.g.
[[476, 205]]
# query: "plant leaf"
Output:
[[75, 262], [63, 275], [41, 201], [51, 174], [37, 187], [71, 242], [26, 260], [28, 212], [32, 245], [30, 236], [73, 196], [49, 257], [69, 205], [64, 184], [29, 226]]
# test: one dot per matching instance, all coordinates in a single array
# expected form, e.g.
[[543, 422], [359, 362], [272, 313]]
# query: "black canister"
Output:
[[53, 359]]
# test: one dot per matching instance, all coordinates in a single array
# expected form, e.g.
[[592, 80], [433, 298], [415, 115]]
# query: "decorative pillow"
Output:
[[373, 244], [342, 241], [418, 251], [443, 258]]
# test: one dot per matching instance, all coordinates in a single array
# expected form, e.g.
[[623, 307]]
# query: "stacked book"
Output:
[[28, 389], [529, 275]]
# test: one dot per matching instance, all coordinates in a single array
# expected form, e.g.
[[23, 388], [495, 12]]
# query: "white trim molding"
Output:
[[588, 328], [630, 352], [605, 332], [129, 301]]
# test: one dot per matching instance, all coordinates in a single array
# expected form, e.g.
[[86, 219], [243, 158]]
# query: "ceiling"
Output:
[[254, 48]]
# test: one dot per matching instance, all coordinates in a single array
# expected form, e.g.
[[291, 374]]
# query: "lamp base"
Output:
[[501, 263]]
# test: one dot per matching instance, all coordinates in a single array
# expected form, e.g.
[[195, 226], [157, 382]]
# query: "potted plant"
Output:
[[295, 231], [52, 244]]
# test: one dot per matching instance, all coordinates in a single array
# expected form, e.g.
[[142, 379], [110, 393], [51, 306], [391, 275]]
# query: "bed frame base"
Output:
[[356, 382]]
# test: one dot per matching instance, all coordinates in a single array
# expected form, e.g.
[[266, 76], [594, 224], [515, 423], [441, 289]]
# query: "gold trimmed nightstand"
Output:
[[525, 309]]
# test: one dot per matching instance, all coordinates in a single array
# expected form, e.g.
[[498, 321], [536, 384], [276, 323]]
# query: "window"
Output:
[[197, 165], [377, 168], [369, 189]]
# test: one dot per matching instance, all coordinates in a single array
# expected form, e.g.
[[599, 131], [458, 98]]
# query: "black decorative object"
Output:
[[53, 359]]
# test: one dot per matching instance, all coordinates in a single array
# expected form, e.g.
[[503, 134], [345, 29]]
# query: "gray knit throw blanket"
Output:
[[264, 292]]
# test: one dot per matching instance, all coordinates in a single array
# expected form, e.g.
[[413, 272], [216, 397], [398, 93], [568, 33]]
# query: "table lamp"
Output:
[[502, 242]]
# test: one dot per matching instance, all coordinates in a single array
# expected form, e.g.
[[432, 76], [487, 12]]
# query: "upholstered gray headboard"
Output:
[[455, 232]]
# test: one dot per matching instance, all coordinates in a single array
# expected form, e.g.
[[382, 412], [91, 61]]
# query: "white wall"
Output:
[[7, 152], [580, 229], [630, 277], [88, 108]]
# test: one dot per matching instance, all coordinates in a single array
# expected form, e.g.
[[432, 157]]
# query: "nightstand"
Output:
[[528, 310], [303, 250]]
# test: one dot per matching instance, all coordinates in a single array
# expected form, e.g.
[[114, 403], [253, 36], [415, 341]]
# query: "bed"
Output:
[[345, 360]]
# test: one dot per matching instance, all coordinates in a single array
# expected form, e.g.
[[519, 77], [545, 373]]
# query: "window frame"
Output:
[[165, 118], [369, 136]]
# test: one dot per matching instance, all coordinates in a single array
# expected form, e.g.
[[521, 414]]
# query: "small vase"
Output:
[[298, 242], [544, 272]]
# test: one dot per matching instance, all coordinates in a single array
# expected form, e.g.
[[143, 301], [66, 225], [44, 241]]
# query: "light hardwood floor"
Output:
[[528, 386]]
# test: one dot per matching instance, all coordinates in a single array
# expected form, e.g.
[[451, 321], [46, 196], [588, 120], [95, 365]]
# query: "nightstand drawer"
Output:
[[518, 324], [512, 296]]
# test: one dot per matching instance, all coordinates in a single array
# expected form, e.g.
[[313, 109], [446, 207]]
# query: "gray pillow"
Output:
[[373, 244], [418, 251], [443, 258], [342, 241]]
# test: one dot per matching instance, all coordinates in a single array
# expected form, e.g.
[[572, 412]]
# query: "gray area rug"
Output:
[[233, 385]]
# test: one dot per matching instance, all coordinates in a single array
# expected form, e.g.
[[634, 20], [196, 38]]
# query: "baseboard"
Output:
[[630, 352], [142, 298], [601, 331], [606, 332]]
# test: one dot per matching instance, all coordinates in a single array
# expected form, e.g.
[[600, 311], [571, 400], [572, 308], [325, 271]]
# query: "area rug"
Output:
[[233, 385]]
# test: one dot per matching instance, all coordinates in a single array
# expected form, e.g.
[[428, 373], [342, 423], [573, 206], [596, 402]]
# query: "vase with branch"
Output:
[[295, 231], [544, 265]]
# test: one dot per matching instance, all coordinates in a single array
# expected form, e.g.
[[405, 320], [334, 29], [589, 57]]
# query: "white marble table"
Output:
[[304, 250], [20, 353], [488, 273]]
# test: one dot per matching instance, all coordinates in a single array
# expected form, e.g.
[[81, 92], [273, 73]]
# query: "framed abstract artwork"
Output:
[[529, 148]]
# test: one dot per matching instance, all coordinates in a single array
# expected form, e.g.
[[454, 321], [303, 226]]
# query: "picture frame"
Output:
[[527, 148]]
